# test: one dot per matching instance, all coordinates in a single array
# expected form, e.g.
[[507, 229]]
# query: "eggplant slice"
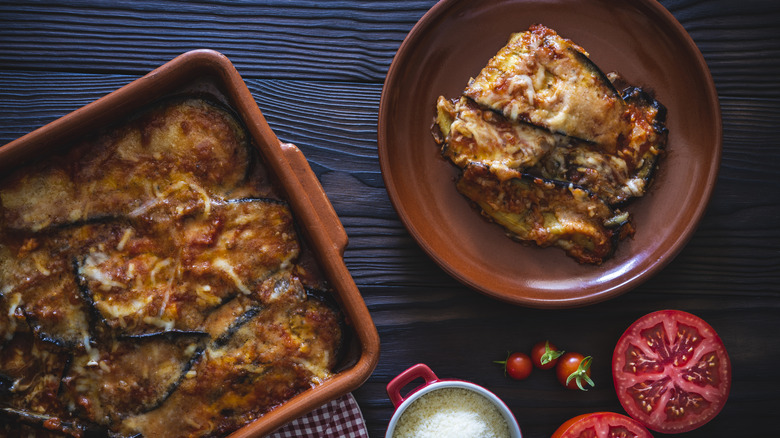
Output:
[[33, 368], [620, 177], [123, 377], [160, 280], [470, 133], [553, 144], [544, 79], [38, 285], [194, 144], [269, 354], [546, 212]]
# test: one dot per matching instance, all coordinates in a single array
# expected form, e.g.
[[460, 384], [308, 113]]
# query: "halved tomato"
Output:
[[671, 371], [602, 425]]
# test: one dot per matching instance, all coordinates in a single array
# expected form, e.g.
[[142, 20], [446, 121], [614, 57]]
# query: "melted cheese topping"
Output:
[[544, 213], [542, 78], [541, 107], [154, 269], [479, 135]]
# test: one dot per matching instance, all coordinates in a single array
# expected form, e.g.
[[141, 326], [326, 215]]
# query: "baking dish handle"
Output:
[[319, 200], [419, 371]]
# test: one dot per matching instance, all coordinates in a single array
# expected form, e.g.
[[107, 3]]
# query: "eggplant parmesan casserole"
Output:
[[152, 283], [550, 147]]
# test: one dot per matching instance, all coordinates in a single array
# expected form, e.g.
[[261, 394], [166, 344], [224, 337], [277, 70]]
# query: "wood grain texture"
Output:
[[295, 39], [323, 40], [316, 70]]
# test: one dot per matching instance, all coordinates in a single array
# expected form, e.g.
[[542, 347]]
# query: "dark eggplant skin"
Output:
[[547, 213], [96, 386], [37, 280], [591, 66], [656, 117], [239, 322], [642, 97]]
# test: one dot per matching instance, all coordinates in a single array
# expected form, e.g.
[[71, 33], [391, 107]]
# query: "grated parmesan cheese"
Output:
[[452, 413]]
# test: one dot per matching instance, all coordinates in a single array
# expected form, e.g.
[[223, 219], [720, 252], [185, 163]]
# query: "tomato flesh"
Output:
[[671, 371], [602, 425]]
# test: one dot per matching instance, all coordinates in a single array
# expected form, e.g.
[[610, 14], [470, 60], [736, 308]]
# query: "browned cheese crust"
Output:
[[547, 80], [541, 107], [150, 282], [192, 144], [272, 354], [546, 213]]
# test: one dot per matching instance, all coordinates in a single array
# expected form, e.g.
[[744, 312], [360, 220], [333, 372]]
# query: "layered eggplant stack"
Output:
[[550, 147], [152, 284]]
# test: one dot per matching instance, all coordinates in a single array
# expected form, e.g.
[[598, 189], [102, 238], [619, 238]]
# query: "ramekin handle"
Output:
[[419, 371]]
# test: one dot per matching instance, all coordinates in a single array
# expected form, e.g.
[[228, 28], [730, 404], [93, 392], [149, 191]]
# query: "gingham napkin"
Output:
[[340, 418]]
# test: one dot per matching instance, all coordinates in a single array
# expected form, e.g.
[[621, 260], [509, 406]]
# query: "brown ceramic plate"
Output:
[[205, 72], [450, 44]]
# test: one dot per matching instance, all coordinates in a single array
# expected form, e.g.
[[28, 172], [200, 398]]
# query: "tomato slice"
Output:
[[671, 371], [602, 425]]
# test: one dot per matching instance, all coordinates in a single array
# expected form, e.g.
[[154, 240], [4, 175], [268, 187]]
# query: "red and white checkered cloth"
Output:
[[340, 418]]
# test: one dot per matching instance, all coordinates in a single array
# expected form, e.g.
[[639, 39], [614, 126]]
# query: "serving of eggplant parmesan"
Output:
[[550, 147], [153, 283]]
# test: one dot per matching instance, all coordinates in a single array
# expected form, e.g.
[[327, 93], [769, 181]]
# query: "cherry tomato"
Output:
[[602, 425], [545, 355], [671, 371], [517, 365], [573, 371]]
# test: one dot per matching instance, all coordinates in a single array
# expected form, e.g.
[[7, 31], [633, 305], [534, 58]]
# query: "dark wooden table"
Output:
[[316, 69]]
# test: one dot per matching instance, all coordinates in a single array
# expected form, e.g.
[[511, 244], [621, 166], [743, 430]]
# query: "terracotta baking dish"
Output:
[[211, 73]]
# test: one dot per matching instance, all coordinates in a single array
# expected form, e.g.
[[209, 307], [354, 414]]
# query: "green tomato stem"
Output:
[[549, 354], [581, 374], [503, 362]]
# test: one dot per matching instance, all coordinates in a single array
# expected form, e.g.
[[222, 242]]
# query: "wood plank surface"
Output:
[[316, 70]]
